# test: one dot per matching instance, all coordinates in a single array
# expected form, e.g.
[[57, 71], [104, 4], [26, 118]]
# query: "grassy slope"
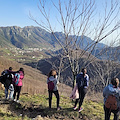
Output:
[[34, 81], [37, 104]]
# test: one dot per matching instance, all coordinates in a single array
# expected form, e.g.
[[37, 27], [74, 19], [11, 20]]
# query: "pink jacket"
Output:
[[75, 93], [20, 79]]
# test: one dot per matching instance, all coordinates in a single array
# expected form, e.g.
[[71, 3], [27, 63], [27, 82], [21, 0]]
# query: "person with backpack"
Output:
[[52, 82], [7, 77], [82, 81], [111, 94], [18, 77]]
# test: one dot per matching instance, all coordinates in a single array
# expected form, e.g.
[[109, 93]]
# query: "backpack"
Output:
[[6, 77], [50, 85], [81, 80], [16, 78], [2, 79], [7, 74], [111, 102]]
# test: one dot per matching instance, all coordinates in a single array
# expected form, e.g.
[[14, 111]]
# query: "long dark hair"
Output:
[[83, 71], [52, 73], [22, 69]]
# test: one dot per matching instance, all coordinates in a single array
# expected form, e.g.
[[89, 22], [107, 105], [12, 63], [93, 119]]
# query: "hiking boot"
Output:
[[18, 101], [80, 109], [75, 108], [59, 108]]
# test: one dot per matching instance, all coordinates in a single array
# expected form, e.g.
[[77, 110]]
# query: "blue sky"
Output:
[[16, 12]]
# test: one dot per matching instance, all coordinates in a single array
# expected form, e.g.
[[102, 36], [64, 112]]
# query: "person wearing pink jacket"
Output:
[[18, 83]]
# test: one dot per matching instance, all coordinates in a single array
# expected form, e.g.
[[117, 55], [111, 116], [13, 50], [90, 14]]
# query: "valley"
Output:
[[37, 52]]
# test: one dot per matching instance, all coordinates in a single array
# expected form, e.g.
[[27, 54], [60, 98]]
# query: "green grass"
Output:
[[91, 109], [39, 104]]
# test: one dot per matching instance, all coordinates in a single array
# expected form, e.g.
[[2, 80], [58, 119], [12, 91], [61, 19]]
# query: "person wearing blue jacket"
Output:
[[112, 89]]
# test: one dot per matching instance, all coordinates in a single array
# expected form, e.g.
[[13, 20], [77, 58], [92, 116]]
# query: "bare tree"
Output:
[[106, 69], [76, 18]]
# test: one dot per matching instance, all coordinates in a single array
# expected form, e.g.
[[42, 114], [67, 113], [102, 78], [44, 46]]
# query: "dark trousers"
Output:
[[82, 93], [108, 113], [50, 97], [17, 89]]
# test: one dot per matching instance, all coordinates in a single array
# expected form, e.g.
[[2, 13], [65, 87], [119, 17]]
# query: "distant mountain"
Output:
[[27, 37], [35, 37], [32, 37]]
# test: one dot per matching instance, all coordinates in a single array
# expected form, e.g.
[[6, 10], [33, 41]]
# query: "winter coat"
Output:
[[7, 76], [20, 79], [110, 90], [86, 80], [55, 81]]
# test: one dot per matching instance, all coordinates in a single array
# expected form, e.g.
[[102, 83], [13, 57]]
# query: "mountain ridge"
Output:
[[31, 36]]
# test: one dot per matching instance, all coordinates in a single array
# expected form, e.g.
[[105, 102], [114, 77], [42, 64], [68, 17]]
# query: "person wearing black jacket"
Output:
[[7, 81], [82, 82]]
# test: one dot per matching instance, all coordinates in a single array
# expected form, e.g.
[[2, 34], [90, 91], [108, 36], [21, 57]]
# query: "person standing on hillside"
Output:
[[7, 77], [18, 83], [114, 91], [82, 81], [52, 82]]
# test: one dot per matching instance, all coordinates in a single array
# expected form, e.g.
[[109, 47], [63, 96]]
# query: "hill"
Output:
[[97, 70], [34, 99], [34, 81], [35, 107], [31, 37]]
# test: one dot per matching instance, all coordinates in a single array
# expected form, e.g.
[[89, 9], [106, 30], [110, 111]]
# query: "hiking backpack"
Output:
[[5, 76], [2, 79], [111, 102], [16, 78], [81, 80], [50, 85]]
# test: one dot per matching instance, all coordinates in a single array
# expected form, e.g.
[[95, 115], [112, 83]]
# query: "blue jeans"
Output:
[[6, 93], [11, 88]]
